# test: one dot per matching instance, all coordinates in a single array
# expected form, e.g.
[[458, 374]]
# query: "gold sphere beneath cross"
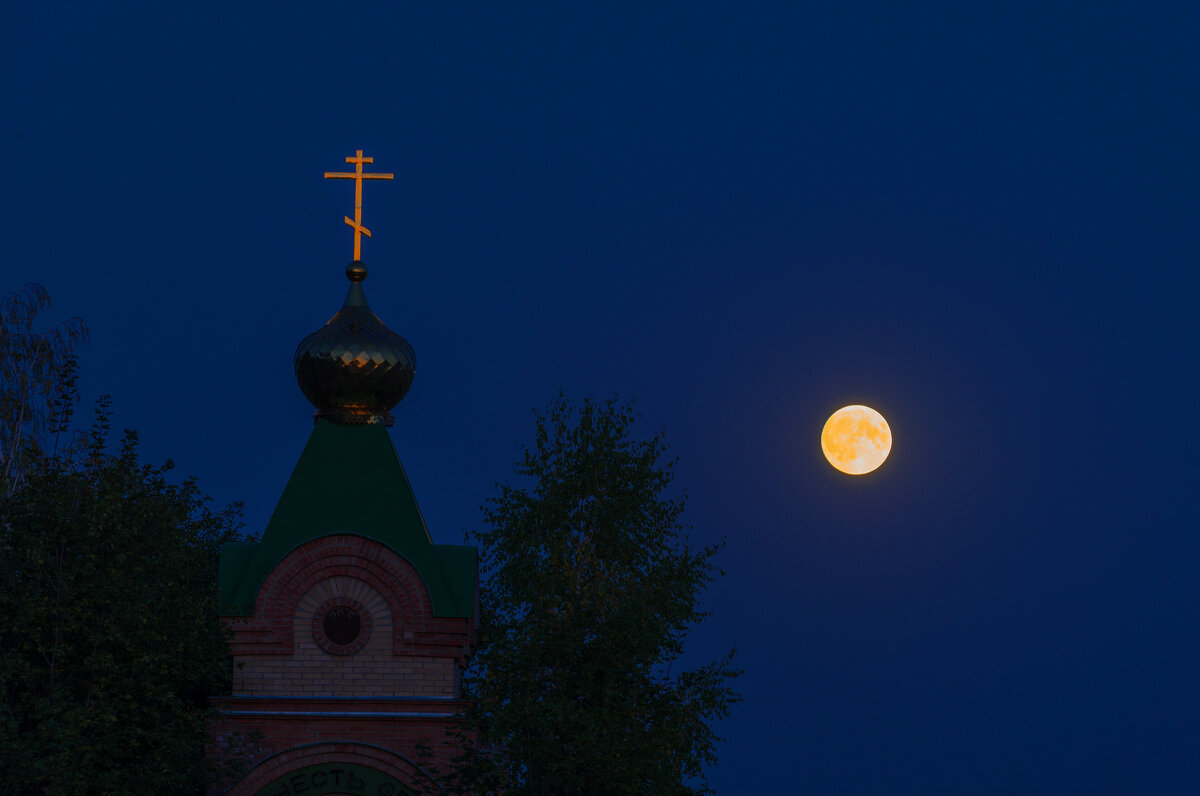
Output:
[[354, 369]]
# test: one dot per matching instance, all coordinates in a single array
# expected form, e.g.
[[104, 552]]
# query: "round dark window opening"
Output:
[[342, 625]]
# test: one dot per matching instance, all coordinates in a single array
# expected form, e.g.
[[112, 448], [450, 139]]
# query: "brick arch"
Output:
[[269, 629], [280, 764]]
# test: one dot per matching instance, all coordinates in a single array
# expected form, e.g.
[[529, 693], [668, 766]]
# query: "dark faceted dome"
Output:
[[354, 369]]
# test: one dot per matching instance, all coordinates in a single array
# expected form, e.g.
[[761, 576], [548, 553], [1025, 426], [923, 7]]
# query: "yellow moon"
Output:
[[856, 439]]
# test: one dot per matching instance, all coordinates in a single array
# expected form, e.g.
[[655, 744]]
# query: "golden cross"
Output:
[[358, 176]]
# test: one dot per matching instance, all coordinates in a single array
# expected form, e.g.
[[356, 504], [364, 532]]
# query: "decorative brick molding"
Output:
[[269, 630], [279, 765], [319, 622], [377, 701]]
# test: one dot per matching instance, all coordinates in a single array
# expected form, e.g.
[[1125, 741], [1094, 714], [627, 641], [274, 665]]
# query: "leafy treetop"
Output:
[[591, 587], [37, 382], [110, 645]]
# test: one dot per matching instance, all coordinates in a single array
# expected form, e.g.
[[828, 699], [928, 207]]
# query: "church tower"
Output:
[[350, 626]]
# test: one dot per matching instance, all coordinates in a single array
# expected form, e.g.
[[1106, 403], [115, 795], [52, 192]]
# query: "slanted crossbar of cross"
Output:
[[358, 175]]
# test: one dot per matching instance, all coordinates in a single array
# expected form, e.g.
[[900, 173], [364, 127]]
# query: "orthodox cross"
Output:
[[358, 176]]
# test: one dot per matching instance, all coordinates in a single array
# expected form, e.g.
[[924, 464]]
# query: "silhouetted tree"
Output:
[[110, 644], [37, 383], [109, 639], [591, 587]]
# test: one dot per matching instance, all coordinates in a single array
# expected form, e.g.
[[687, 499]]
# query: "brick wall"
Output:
[[331, 754], [396, 690], [374, 670]]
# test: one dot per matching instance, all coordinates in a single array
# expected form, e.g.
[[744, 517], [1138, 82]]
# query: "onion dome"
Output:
[[354, 369]]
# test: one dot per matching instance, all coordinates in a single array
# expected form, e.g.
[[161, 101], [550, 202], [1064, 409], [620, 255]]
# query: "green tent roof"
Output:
[[350, 481]]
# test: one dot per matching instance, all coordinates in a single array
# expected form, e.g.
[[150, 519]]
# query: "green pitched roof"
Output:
[[350, 481]]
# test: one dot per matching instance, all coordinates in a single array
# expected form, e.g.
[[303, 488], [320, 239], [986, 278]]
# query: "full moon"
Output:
[[856, 439]]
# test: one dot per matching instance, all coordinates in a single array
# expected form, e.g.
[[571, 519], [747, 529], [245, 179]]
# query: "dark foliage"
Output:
[[37, 383], [109, 641], [591, 587]]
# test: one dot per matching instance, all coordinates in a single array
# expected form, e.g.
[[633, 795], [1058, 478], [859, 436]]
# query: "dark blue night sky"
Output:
[[979, 218]]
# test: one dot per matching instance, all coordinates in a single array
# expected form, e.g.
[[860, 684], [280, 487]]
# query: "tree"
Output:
[[37, 383], [591, 587], [109, 640], [110, 646]]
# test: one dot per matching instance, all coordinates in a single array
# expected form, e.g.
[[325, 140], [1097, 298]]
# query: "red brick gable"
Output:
[[394, 687], [269, 630]]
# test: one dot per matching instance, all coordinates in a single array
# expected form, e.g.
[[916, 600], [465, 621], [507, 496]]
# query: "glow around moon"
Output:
[[856, 439]]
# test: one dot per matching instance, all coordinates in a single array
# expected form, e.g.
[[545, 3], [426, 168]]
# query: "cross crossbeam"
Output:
[[358, 175]]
